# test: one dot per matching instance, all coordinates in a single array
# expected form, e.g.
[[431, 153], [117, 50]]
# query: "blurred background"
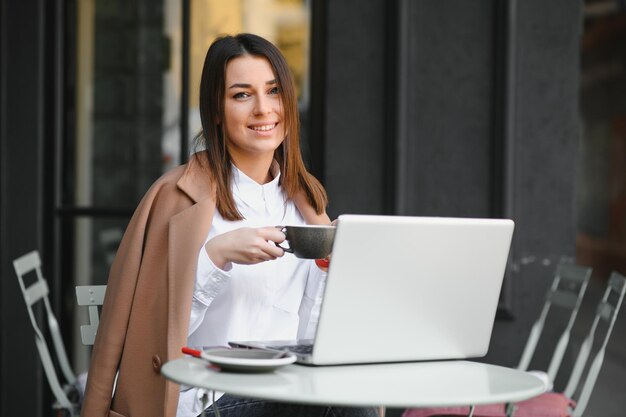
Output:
[[489, 108]]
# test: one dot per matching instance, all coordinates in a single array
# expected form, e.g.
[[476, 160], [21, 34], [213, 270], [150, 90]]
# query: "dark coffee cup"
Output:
[[308, 241]]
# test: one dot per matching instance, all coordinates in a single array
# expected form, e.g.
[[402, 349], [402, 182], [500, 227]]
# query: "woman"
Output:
[[191, 268]]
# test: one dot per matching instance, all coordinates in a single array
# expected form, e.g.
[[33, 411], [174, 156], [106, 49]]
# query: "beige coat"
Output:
[[146, 310]]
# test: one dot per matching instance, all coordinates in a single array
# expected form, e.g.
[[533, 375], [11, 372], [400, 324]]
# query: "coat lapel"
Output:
[[187, 232]]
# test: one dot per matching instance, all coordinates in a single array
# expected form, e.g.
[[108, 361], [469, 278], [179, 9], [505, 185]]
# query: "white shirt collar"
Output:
[[257, 195]]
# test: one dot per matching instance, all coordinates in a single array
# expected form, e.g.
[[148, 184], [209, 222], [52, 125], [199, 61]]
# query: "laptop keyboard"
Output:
[[299, 349]]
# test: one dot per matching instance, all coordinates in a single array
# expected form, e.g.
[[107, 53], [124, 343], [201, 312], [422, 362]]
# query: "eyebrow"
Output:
[[243, 85]]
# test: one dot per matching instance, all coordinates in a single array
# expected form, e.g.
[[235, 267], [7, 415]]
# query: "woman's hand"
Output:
[[245, 246]]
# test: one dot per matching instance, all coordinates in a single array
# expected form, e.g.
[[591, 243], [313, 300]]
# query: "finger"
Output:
[[272, 250], [265, 251], [271, 233], [259, 256]]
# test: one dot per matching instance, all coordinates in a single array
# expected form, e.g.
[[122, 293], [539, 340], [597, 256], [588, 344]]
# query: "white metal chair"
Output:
[[67, 395], [606, 312], [92, 296], [566, 292]]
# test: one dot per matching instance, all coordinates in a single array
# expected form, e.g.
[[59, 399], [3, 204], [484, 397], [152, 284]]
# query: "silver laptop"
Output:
[[407, 289]]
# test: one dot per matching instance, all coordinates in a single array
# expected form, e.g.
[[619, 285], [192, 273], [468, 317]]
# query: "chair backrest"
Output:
[[92, 296], [34, 293], [607, 310], [567, 290]]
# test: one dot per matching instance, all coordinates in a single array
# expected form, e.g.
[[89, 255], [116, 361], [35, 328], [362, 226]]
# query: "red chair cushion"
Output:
[[550, 404]]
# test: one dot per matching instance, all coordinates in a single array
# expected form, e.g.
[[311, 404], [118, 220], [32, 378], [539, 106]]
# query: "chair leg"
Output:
[[509, 409]]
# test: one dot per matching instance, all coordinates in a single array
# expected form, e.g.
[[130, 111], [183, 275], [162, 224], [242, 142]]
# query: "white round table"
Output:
[[414, 384]]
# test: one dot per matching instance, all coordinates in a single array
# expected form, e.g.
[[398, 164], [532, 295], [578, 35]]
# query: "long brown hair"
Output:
[[294, 176]]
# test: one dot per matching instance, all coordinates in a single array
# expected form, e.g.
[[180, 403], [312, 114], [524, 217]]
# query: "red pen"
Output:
[[199, 354]]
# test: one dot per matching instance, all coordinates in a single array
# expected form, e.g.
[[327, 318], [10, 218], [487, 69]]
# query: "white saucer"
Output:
[[248, 360]]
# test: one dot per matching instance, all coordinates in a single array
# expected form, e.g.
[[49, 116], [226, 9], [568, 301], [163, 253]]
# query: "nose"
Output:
[[262, 105]]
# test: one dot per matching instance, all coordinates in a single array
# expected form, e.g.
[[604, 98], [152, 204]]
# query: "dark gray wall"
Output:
[[481, 127], [445, 113], [21, 198], [545, 156], [355, 92]]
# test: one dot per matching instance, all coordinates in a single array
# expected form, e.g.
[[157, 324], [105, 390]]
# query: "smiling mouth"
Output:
[[263, 128]]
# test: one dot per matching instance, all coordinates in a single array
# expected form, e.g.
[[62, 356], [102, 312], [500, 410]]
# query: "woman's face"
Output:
[[253, 113]]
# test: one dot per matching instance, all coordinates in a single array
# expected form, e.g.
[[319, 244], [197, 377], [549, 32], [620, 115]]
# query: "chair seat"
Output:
[[550, 404]]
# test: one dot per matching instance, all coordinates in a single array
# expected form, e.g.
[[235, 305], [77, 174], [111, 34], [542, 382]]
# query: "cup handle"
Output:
[[284, 230]]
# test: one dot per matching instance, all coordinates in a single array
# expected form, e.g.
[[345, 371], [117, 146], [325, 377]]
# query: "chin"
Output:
[[266, 145]]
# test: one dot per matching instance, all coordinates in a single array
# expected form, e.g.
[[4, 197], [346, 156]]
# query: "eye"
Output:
[[274, 91], [240, 96]]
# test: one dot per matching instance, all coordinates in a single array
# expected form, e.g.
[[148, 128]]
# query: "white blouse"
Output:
[[275, 300]]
